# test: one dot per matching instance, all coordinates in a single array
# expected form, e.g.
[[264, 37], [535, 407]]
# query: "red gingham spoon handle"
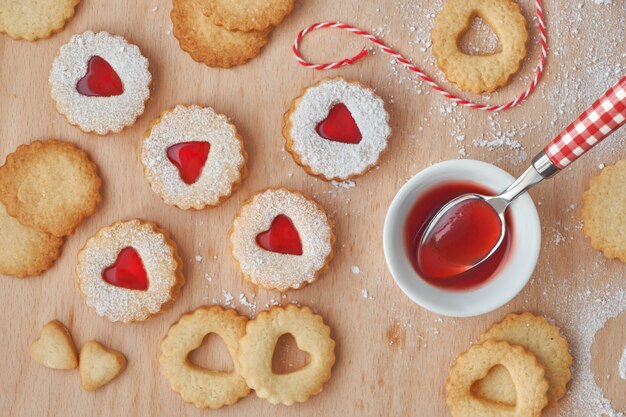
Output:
[[601, 119]]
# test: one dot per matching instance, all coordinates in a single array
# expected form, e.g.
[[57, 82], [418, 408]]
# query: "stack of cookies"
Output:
[[522, 362], [47, 188], [225, 33]]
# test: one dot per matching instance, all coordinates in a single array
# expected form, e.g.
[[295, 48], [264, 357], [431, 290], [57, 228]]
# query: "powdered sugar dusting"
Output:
[[101, 251], [100, 114], [621, 368], [275, 270], [222, 168], [335, 160]]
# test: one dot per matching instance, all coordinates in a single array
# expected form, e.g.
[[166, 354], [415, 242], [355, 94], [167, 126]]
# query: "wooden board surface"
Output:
[[392, 356]]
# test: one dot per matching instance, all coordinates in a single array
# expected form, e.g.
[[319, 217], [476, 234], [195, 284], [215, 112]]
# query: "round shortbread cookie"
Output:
[[24, 251], [34, 19], [193, 157], [129, 271], [334, 159], [203, 387], [247, 15], [479, 73], [256, 349], [211, 44], [604, 211], [299, 238], [526, 372], [539, 337], [50, 186], [100, 112]]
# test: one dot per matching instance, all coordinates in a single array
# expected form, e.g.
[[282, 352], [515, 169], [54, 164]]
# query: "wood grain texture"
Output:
[[392, 356]]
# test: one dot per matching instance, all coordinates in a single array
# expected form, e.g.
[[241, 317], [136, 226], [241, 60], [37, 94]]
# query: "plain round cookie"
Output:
[[479, 73], [50, 186], [210, 44], [256, 350], [526, 372], [25, 251], [34, 19], [247, 15], [604, 211], [203, 387], [539, 337]]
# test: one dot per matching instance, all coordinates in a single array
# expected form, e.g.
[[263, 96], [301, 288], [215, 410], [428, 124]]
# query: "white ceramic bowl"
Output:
[[510, 278]]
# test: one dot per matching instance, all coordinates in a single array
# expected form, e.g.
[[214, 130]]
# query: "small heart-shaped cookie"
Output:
[[55, 347], [99, 365]]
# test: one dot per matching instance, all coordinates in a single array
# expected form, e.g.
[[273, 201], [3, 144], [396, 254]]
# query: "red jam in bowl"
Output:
[[433, 265]]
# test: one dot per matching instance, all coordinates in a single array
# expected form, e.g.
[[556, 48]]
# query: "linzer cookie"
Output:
[[479, 73], [100, 82], [34, 19], [213, 45], [129, 271], [604, 211], [247, 15], [337, 129], [193, 157], [281, 239], [50, 186]]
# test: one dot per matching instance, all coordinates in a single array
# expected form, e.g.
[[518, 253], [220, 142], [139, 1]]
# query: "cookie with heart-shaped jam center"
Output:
[[193, 157], [100, 82], [129, 271], [337, 129], [281, 239]]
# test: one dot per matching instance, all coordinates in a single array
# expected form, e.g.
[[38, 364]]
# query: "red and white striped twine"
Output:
[[411, 67]]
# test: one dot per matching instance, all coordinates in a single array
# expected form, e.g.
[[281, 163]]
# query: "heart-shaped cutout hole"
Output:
[[189, 158], [282, 237], [101, 80], [479, 39], [212, 354], [127, 271], [287, 356], [497, 387], [339, 126]]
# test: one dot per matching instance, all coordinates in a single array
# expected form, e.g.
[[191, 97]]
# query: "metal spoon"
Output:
[[596, 123]]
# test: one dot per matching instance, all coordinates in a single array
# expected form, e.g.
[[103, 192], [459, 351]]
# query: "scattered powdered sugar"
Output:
[[336, 160], [348, 184], [592, 309], [276, 270], [355, 270], [100, 114], [102, 250], [622, 365], [222, 168]]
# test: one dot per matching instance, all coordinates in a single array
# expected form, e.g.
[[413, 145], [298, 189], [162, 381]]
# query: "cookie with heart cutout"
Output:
[[99, 365], [193, 157], [209, 43], [129, 271], [35, 19], [100, 82], [281, 239], [336, 129]]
